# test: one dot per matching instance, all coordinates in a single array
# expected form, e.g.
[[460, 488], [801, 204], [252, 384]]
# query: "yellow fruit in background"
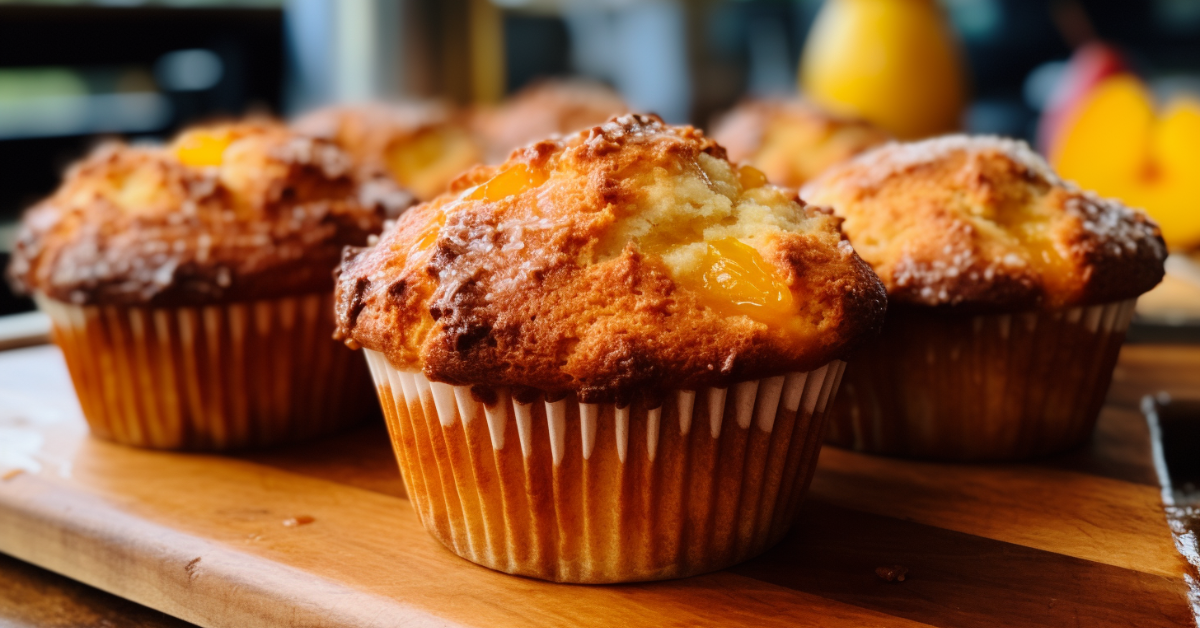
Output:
[[892, 62], [1106, 140], [1117, 145]]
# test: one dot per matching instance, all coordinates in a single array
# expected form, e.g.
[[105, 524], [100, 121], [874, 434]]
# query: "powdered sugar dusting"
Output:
[[929, 280], [895, 158], [622, 128], [958, 249], [332, 161], [383, 193], [1119, 229], [131, 225]]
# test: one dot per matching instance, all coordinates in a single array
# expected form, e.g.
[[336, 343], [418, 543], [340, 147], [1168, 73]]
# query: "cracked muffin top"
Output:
[[983, 223], [226, 212], [629, 256]]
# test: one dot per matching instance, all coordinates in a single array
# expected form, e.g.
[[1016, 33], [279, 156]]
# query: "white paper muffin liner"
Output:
[[579, 492], [987, 387], [215, 377]]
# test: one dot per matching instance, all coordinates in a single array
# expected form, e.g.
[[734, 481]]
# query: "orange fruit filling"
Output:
[[751, 177], [734, 280], [200, 149], [511, 182], [430, 233]]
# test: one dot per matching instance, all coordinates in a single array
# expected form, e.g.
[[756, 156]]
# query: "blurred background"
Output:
[[1077, 78]]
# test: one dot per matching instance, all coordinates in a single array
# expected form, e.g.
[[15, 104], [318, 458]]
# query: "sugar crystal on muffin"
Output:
[[984, 222], [628, 255], [610, 358], [1010, 292], [190, 285], [226, 212]]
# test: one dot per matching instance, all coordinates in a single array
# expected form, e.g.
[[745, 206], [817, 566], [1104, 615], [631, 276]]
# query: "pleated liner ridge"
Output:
[[594, 493], [989, 387], [214, 377]]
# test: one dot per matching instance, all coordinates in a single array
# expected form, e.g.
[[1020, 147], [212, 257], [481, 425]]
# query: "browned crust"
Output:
[[196, 239], [368, 133], [363, 130], [929, 217], [791, 141], [513, 292], [542, 109]]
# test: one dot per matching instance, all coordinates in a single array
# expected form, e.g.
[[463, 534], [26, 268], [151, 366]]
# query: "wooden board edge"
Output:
[[202, 582]]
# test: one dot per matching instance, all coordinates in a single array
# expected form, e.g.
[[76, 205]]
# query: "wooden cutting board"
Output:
[[1077, 540]]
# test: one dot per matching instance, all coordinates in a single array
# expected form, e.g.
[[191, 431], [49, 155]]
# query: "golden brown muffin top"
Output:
[[422, 145], [984, 223], [227, 212], [792, 141], [543, 109], [629, 256]]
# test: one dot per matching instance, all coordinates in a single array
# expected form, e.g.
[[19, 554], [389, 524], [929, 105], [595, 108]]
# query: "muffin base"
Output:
[[988, 387], [593, 493], [211, 378]]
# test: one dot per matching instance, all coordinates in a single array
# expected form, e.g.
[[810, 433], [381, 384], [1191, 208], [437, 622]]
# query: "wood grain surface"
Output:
[[1076, 540]]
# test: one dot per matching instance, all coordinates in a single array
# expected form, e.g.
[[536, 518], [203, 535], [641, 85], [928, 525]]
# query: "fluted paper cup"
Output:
[[988, 387], [214, 377], [592, 493]]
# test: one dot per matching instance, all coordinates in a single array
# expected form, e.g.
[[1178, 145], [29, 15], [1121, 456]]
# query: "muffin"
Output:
[[190, 286], [792, 141], [421, 145], [545, 108], [1010, 291], [608, 359]]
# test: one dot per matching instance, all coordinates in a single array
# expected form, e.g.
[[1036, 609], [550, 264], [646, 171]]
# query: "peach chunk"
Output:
[[1118, 145], [734, 279], [202, 148]]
